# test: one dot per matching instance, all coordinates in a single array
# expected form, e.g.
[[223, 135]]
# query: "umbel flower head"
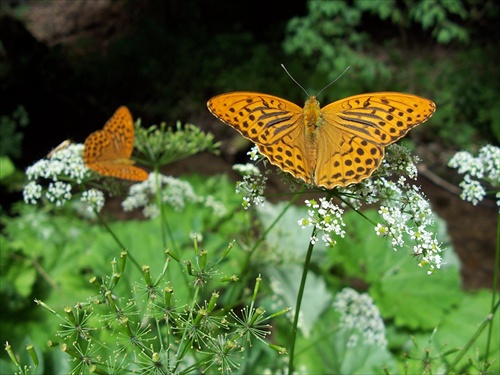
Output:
[[173, 192], [405, 213], [360, 316], [486, 167], [64, 168]]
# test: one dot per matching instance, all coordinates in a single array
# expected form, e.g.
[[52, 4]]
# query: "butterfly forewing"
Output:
[[382, 117], [259, 117], [275, 125], [108, 151], [120, 129]]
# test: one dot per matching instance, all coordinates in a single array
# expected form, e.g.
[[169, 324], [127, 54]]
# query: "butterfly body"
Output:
[[108, 151], [337, 145], [313, 119]]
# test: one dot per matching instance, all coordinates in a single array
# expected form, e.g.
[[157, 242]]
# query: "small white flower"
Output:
[[94, 198], [381, 230], [217, 207], [247, 169], [195, 235], [326, 217], [67, 163], [58, 193], [150, 210], [32, 192], [252, 187], [254, 153], [62, 164], [472, 191]]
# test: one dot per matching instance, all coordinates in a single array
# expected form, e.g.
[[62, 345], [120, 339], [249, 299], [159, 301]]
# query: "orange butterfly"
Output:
[[108, 151], [337, 145]]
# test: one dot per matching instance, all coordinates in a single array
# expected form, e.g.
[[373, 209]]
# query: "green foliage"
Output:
[[463, 117], [163, 145], [6, 167], [331, 352], [384, 44], [52, 254], [49, 253], [402, 292], [10, 134], [411, 302], [328, 34]]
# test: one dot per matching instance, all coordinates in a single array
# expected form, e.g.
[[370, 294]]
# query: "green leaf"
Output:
[[401, 289], [6, 167], [327, 350], [317, 298], [460, 325]]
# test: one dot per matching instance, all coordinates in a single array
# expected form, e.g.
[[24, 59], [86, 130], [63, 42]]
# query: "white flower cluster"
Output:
[[94, 198], [399, 161], [173, 192], [359, 314], [486, 166], [325, 217], [61, 165], [66, 162], [253, 185], [58, 193], [406, 213]]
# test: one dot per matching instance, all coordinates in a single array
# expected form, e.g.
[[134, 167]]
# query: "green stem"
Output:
[[186, 341], [160, 207], [495, 304], [299, 300], [244, 268], [117, 240], [278, 218], [164, 227], [465, 349], [494, 290]]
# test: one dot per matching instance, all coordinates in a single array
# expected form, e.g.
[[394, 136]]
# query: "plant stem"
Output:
[[475, 336], [117, 240], [244, 270], [494, 291], [299, 300]]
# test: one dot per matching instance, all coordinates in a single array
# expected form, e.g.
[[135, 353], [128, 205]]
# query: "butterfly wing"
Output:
[[108, 151], [120, 170], [120, 129], [382, 117], [356, 130], [275, 125]]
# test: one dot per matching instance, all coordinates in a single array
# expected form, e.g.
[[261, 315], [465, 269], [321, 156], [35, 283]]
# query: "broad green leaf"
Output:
[[463, 322], [402, 290], [328, 351]]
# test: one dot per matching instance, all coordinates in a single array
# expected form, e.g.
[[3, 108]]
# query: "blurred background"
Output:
[[66, 65]]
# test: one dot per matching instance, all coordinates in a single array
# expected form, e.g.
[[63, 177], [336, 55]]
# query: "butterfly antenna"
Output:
[[335, 80], [294, 80]]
